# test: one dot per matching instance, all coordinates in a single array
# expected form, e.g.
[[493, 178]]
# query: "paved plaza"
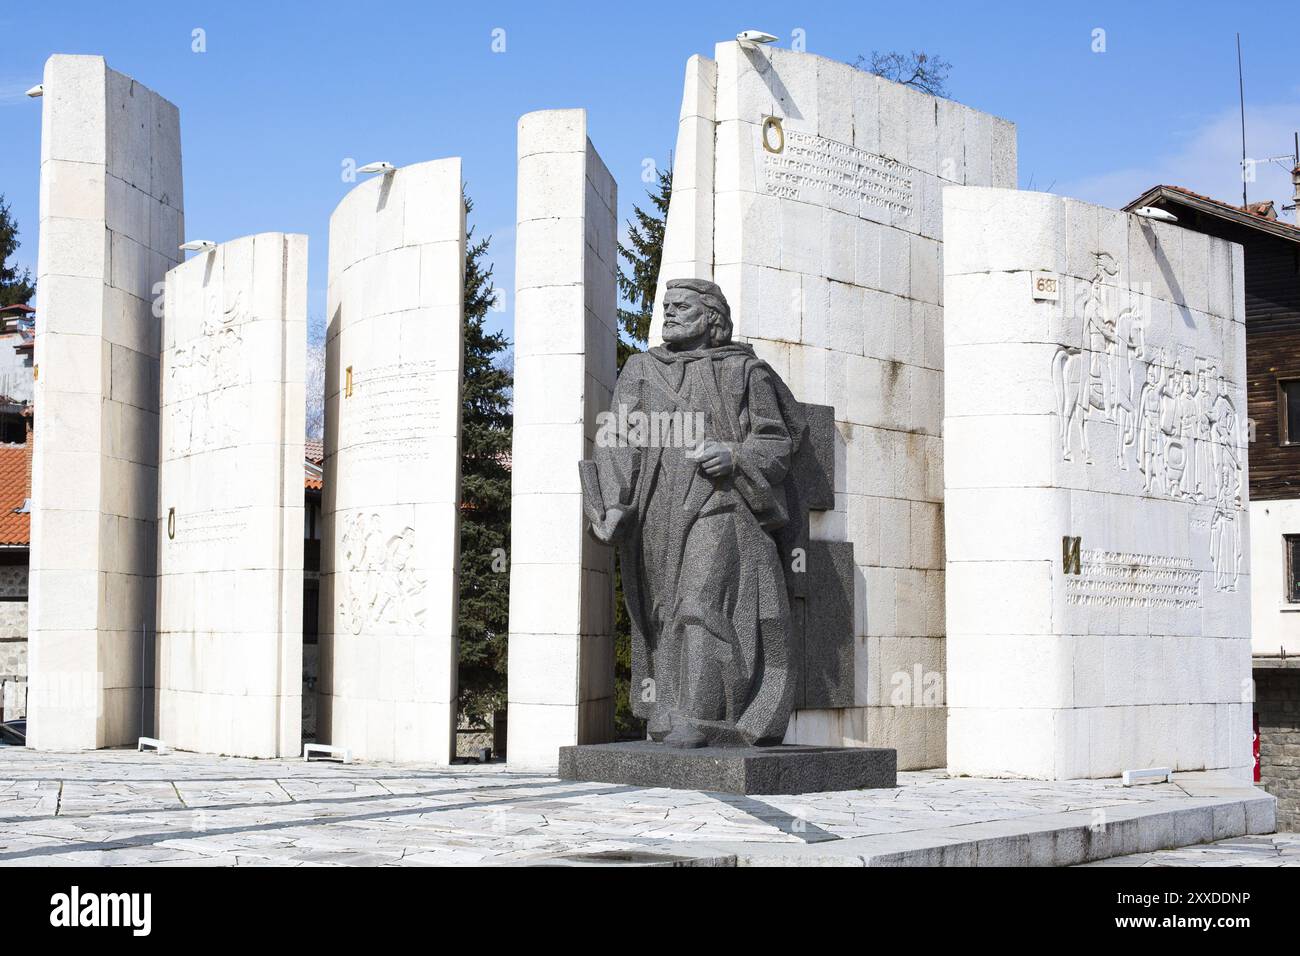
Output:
[[115, 807]]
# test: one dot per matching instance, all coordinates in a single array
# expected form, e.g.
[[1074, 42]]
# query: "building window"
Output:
[[1288, 419], [1292, 544], [13, 430]]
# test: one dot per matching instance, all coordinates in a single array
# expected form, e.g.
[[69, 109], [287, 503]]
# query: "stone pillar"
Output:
[[111, 223], [688, 233], [390, 541], [810, 192], [230, 499], [1095, 489], [561, 663]]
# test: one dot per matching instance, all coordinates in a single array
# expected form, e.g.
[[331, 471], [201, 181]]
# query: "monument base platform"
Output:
[[784, 769]]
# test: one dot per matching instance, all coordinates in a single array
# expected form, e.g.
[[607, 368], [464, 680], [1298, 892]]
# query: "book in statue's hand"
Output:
[[593, 502]]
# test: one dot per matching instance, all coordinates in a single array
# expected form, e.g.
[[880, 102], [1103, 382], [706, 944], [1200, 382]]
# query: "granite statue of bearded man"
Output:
[[692, 481]]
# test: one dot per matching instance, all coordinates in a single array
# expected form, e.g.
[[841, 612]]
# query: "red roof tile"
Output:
[[312, 473], [15, 529], [1263, 209]]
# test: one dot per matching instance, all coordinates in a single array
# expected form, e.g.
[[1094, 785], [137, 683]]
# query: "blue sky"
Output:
[[286, 91]]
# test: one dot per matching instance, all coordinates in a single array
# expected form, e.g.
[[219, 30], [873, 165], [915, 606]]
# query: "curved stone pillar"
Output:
[[389, 547], [230, 499]]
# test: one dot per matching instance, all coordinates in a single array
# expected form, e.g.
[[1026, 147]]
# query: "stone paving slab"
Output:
[[1277, 849], [120, 807]]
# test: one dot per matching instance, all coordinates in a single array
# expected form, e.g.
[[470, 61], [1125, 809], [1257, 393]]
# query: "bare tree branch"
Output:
[[923, 71], [315, 384]]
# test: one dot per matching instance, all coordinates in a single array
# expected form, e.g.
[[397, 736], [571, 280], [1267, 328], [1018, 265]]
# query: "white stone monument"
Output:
[[561, 660], [389, 547], [810, 192], [230, 499], [111, 222], [1095, 473]]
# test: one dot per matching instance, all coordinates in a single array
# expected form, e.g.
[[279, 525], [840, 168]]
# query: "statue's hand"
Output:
[[714, 458], [613, 528]]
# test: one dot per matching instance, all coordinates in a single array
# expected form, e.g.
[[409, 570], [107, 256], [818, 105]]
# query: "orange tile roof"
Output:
[[1263, 209], [313, 474], [15, 529]]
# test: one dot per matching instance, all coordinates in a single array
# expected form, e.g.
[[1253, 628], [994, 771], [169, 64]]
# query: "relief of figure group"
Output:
[[381, 584], [1180, 428], [202, 417]]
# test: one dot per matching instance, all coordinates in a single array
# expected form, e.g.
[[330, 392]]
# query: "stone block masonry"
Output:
[[561, 668], [1095, 491], [1277, 705], [230, 502], [390, 541], [110, 224]]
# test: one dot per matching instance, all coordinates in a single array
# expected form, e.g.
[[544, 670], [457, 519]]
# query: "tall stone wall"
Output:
[[561, 666], [810, 192], [1277, 696], [13, 641], [1095, 490], [230, 499], [389, 547], [13, 605], [110, 224]]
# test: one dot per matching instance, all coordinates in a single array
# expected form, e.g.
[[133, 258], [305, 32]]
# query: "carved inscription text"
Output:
[[1120, 579], [391, 413], [208, 527], [819, 170]]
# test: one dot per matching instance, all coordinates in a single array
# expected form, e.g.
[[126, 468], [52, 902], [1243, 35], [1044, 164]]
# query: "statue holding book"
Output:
[[707, 520]]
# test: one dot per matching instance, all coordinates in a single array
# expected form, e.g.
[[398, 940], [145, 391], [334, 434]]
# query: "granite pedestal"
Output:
[[745, 770]]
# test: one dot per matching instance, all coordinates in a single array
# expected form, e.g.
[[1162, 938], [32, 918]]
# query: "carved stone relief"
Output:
[[206, 412], [1182, 431], [380, 583]]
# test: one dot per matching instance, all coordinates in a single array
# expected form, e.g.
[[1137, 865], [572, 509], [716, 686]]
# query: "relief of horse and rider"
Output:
[[1176, 422]]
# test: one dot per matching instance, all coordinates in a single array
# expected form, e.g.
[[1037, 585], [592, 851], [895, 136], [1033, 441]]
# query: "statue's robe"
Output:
[[706, 561]]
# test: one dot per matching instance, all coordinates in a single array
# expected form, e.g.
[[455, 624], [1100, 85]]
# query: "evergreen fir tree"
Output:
[[486, 419], [15, 287], [646, 239]]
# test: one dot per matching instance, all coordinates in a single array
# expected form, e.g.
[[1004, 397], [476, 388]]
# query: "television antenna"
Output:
[[1241, 94]]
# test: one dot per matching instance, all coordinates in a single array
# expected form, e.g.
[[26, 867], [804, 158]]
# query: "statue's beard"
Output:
[[678, 339]]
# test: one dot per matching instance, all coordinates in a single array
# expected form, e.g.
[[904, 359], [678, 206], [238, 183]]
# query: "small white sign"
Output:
[[1046, 286]]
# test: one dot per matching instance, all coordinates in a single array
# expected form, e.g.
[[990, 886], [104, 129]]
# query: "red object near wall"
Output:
[[1256, 747]]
